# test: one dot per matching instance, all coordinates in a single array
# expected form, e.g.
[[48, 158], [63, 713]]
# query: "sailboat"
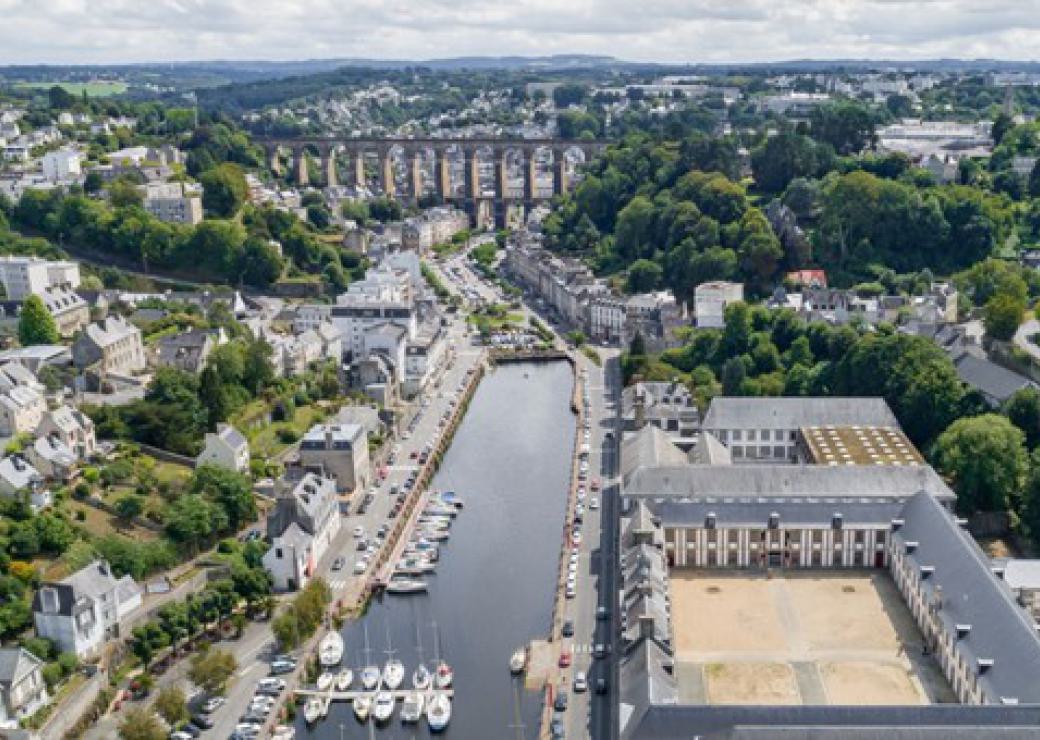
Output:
[[393, 671], [330, 649], [370, 673], [412, 709], [421, 677], [325, 680], [518, 661], [362, 706], [438, 712], [443, 674], [343, 679]]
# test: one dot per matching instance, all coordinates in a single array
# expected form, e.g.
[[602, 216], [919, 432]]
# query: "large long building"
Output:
[[823, 591]]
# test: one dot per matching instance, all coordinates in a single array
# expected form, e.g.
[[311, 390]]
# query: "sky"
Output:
[[114, 31]]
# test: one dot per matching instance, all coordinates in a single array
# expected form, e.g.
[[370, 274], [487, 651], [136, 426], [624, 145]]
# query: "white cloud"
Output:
[[105, 31]]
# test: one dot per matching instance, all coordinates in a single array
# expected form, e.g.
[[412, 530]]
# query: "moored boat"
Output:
[[383, 706], [283, 732], [421, 677], [343, 679], [517, 661], [325, 680], [362, 706], [312, 710], [438, 712], [406, 586], [393, 674], [444, 676], [412, 708], [370, 677], [330, 649]]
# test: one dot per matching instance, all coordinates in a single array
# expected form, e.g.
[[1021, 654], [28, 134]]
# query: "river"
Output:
[[493, 588]]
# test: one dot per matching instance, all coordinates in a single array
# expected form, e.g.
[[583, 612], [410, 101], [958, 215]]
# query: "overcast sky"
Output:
[[108, 31]]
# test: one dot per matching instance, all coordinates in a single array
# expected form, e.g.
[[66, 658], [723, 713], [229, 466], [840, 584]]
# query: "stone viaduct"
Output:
[[414, 152]]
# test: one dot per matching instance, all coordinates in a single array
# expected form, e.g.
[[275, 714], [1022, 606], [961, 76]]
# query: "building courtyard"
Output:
[[812, 637]]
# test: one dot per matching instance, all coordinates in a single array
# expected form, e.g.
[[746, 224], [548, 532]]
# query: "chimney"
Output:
[[639, 408], [646, 626]]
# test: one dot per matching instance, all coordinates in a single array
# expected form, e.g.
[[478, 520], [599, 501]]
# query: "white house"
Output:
[[22, 688], [301, 528], [21, 409], [710, 301], [52, 457], [226, 448], [18, 475], [84, 611], [61, 165], [73, 427]]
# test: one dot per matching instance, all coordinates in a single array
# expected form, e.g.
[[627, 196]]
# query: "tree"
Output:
[[140, 724], [128, 507], [211, 670], [59, 98], [568, 94], [1002, 316], [124, 193], [1031, 498], [1001, 125], [784, 157], [644, 276], [172, 705], [985, 458], [231, 490], [224, 189], [1023, 410], [35, 324], [637, 347], [846, 126]]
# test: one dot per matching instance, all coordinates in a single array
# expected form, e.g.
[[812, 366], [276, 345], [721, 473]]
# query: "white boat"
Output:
[[412, 708], [437, 535], [393, 674], [383, 707], [312, 710], [406, 586], [421, 677], [325, 680], [330, 649], [370, 677], [444, 676], [438, 712], [362, 706], [283, 732], [343, 679], [518, 661]]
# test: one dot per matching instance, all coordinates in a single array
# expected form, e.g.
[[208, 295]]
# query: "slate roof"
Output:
[[792, 513], [765, 481], [15, 663], [707, 450], [957, 721], [232, 436], [994, 381], [971, 594], [649, 446], [729, 412]]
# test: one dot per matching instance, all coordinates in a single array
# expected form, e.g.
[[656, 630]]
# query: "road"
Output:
[[462, 356]]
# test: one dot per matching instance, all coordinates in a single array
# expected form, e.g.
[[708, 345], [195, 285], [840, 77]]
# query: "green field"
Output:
[[99, 89]]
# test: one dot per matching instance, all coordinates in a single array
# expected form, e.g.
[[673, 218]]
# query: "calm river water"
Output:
[[493, 587]]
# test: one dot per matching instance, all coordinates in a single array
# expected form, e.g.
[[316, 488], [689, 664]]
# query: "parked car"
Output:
[[338, 564], [213, 704], [581, 684], [201, 720], [565, 658], [560, 704], [568, 628], [282, 666]]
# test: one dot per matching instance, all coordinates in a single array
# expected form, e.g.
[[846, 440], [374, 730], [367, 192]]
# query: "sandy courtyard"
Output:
[[808, 637]]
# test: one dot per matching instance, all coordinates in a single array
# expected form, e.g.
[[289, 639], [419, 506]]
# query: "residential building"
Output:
[[189, 350], [226, 448], [301, 527], [21, 409], [52, 458], [70, 425], [22, 688], [710, 301], [86, 610], [69, 311], [338, 450], [25, 276], [113, 346], [61, 165], [18, 476], [173, 202]]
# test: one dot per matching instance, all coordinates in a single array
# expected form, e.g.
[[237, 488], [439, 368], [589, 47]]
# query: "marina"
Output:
[[493, 581]]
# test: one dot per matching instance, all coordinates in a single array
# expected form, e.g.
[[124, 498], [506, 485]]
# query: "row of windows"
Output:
[[754, 435]]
